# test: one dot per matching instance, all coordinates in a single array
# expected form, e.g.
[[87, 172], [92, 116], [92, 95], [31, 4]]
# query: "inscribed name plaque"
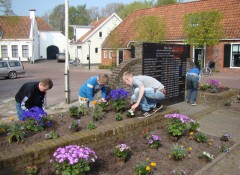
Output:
[[167, 63]]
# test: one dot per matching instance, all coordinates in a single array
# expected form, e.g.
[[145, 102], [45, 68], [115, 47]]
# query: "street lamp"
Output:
[[89, 44]]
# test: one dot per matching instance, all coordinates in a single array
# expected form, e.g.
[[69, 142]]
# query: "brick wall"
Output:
[[103, 135]]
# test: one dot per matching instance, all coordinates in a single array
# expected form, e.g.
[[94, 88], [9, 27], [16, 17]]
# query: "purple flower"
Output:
[[117, 94], [73, 154], [181, 117]]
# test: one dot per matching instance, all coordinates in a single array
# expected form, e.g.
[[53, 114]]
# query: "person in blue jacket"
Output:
[[91, 87], [193, 78]]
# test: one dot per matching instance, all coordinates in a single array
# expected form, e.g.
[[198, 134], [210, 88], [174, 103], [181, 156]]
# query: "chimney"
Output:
[[32, 13]]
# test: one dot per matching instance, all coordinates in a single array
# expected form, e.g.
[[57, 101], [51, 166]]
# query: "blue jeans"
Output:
[[192, 88], [149, 99], [19, 110]]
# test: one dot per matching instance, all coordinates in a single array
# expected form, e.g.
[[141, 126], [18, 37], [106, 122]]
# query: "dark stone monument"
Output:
[[167, 63]]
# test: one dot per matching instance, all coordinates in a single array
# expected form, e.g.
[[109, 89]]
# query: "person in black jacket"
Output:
[[32, 94]]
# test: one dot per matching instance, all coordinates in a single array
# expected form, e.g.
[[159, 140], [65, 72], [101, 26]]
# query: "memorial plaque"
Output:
[[167, 63]]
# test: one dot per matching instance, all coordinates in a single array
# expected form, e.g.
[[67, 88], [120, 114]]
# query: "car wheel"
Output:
[[12, 75]]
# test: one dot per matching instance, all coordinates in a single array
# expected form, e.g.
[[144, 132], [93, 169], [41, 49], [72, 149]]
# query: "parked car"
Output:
[[60, 57], [11, 68]]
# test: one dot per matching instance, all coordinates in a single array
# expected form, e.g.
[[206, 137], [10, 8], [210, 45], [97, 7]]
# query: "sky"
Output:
[[22, 7]]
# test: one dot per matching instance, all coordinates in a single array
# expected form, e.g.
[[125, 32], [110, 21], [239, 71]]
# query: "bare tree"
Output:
[[94, 13], [6, 7], [111, 8]]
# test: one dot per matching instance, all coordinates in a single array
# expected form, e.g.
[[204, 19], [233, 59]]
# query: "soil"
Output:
[[107, 164]]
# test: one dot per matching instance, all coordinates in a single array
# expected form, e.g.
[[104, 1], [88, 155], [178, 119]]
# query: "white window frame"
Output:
[[4, 51], [15, 51], [25, 51], [105, 53], [111, 54]]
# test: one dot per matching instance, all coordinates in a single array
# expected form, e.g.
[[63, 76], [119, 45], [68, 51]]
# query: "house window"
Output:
[[100, 34], [4, 51], [14, 51], [110, 54], [25, 51], [235, 55], [105, 54], [96, 50]]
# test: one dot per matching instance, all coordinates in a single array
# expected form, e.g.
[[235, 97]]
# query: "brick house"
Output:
[[226, 54], [29, 38]]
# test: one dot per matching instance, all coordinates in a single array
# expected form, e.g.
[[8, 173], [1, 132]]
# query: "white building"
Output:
[[88, 39], [29, 38]]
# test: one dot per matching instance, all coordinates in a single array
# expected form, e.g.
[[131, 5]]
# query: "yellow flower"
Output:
[[11, 118], [153, 164], [191, 133], [189, 148], [148, 168], [94, 102]]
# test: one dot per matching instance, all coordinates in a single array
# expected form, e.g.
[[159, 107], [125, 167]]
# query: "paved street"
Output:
[[45, 69]]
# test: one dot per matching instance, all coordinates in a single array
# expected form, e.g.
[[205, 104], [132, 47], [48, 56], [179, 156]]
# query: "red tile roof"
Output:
[[43, 25], [18, 27], [173, 15], [94, 25], [15, 27]]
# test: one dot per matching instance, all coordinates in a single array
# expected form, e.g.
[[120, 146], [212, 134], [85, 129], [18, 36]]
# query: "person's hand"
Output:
[[102, 100], [134, 106]]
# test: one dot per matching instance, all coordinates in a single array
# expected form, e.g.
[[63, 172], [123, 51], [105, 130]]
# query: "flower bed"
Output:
[[158, 161]]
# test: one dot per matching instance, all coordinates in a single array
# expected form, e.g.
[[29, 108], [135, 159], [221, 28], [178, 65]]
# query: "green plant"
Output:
[[178, 124], [36, 119], [225, 137], [97, 113], [130, 113], [227, 103], [74, 124], [51, 135], [118, 99], [118, 117], [238, 98], [82, 110], [103, 105], [3, 127], [200, 137], [205, 86], [15, 133], [206, 155], [178, 152], [122, 151], [73, 160], [194, 126], [154, 141], [144, 168], [31, 170], [178, 172], [74, 111], [91, 126], [225, 149], [145, 133]]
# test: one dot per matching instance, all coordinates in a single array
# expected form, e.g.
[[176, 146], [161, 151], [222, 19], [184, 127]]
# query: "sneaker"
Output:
[[145, 114], [158, 107], [193, 104]]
